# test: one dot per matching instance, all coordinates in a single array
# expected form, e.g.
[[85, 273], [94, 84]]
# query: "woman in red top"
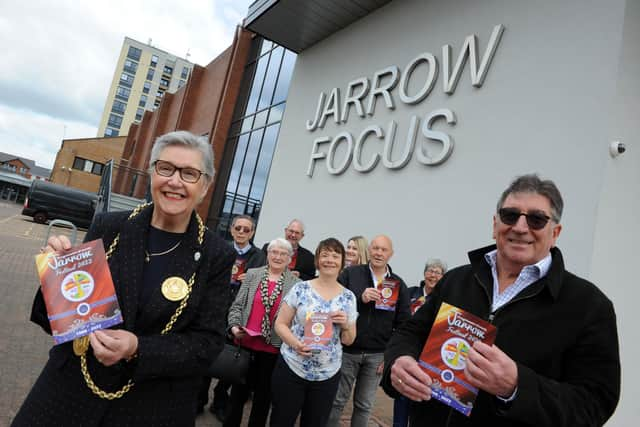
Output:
[[251, 322]]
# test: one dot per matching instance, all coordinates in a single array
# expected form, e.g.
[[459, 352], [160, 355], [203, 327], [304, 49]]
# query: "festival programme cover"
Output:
[[445, 353], [389, 289], [78, 291], [417, 303], [239, 268], [318, 331]]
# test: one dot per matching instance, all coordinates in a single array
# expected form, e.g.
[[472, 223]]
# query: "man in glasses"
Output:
[[247, 256], [302, 261], [555, 361]]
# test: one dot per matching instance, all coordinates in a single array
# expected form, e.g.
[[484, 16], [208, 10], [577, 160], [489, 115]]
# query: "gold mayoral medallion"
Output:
[[81, 345], [174, 288]]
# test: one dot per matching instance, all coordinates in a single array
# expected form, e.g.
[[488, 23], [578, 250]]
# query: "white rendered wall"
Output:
[[555, 95], [615, 255]]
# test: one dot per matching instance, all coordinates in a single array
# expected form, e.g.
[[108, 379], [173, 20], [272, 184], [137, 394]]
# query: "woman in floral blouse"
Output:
[[316, 317]]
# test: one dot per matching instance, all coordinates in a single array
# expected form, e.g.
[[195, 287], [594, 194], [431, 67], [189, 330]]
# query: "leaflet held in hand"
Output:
[[318, 331], [389, 291], [78, 291], [445, 354]]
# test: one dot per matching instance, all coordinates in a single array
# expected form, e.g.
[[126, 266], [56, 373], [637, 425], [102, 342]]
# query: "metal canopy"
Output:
[[299, 24]]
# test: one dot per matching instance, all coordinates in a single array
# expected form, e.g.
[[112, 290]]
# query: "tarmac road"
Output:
[[24, 346]]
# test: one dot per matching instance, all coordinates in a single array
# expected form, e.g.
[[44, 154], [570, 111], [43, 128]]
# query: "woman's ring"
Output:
[[399, 381]]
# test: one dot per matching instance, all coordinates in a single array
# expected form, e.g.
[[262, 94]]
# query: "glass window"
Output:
[[257, 85], [271, 77], [264, 162], [130, 66], [261, 119], [115, 121], [154, 60], [134, 53], [110, 132], [241, 148], [185, 73], [118, 107], [167, 70], [122, 93], [286, 71], [266, 45], [246, 176], [150, 73], [181, 83], [139, 113], [126, 79], [159, 93], [88, 166], [275, 114], [143, 100], [78, 163], [164, 82], [97, 169], [146, 87]]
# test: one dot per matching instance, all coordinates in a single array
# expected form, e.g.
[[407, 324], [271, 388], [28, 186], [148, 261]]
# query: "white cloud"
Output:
[[61, 56]]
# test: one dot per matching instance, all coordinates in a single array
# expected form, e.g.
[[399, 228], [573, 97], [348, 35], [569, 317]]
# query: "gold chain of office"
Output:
[[183, 304]]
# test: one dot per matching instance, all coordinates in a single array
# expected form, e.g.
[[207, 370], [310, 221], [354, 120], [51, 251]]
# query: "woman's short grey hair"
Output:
[[184, 138], [435, 263], [282, 244]]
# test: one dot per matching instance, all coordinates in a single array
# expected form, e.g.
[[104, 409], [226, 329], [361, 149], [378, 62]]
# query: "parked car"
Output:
[[47, 201]]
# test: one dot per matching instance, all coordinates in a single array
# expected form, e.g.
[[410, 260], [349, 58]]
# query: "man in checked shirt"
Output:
[[555, 361]]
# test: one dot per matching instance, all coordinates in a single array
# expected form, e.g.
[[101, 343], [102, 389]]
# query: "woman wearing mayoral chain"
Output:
[[171, 277]]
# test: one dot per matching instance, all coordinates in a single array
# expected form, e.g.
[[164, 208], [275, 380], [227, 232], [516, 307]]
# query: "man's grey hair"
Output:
[[298, 221], [281, 243], [437, 263], [532, 183], [247, 217], [184, 138]]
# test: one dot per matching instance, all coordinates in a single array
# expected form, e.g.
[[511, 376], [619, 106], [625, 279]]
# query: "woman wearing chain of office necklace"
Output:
[[251, 324], [145, 371]]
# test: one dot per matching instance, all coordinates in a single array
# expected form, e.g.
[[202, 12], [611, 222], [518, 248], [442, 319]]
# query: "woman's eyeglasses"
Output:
[[167, 169], [536, 220]]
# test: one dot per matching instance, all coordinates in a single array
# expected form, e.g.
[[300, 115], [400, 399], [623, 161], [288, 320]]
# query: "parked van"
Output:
[[47, 201]]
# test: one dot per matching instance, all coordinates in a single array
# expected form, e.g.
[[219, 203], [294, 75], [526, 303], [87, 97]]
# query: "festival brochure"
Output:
[[318, 331], [445, 353], [239, 267], [251, 332], [78, 291], [389, 290], [417, 303]]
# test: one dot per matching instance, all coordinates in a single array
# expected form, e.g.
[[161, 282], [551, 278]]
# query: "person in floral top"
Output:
[[316, 317]]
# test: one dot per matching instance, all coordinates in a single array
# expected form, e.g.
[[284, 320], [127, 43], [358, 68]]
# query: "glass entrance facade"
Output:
[[253, 134]]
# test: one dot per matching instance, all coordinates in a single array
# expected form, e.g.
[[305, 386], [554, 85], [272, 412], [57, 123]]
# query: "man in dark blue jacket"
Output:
[[555, 362], [383, 303]]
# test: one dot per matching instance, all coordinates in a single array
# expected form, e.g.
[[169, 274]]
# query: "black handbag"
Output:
[[231, 365]]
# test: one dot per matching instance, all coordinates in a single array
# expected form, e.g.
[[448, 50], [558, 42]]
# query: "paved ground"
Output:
[[23, 345]]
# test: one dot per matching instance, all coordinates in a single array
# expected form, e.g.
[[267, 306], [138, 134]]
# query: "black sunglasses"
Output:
[[536, 220]]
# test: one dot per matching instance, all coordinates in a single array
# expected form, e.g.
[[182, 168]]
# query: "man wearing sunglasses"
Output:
[[247, 256], [555, 361]]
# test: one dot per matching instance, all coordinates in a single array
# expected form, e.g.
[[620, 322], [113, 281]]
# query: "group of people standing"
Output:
[[555, 361]]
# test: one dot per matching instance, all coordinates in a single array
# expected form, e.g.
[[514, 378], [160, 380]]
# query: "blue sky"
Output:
[[59, 58]]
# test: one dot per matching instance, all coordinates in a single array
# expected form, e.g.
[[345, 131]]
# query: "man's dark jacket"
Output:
[[305, 262], [255, 258], [374, 327], [560, 330]]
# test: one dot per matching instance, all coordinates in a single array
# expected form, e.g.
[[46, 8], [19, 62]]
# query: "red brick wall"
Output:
[[203, 106]]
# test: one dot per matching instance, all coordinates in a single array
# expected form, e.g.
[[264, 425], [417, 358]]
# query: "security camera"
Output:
[[616, 148]]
